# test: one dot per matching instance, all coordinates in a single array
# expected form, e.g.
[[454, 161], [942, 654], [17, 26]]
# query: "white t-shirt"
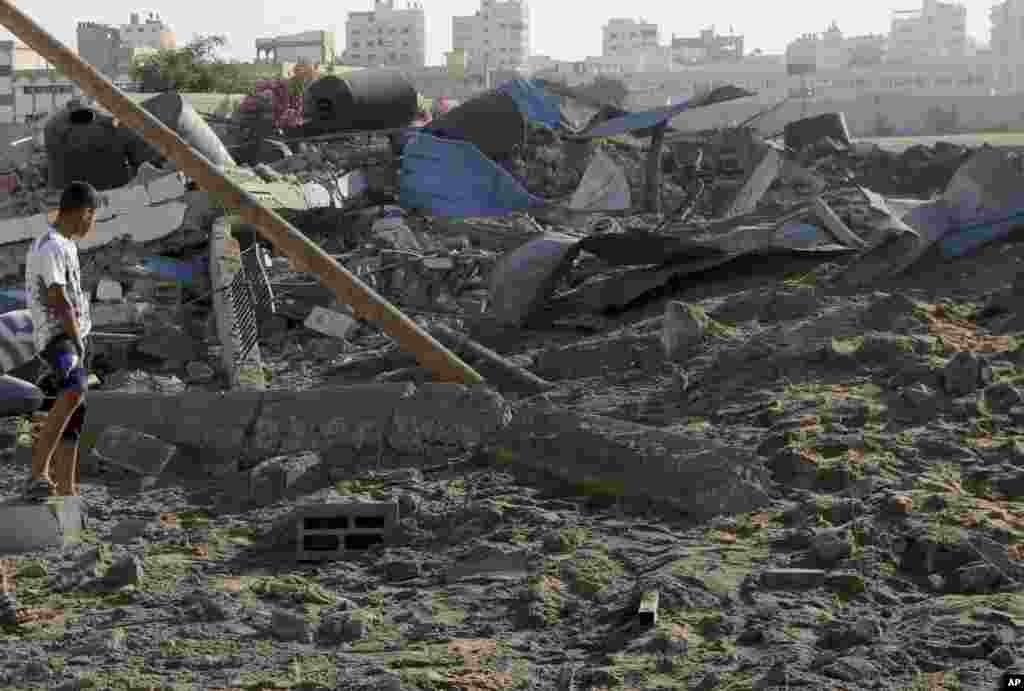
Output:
[[52, 259]]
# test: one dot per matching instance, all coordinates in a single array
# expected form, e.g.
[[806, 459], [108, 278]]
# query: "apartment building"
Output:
[[495, 38], [152, 33], [1008, 45], [831, 50], [310, 47], [937, 30], [387, 36], [627, 36], [707, 47]]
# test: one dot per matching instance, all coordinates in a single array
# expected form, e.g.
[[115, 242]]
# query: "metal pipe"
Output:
[[348, 289]]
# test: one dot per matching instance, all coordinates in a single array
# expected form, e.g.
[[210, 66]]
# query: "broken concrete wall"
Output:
[[698, 476], [249, 426]]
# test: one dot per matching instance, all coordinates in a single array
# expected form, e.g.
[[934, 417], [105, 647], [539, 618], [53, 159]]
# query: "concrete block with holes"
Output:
[[329, 531]]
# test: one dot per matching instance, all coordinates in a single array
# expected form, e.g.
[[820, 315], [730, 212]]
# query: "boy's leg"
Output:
[[65, 459], [72, 381]]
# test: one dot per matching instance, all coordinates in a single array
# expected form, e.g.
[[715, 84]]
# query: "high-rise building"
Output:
[[832, 50], [937, 30], [387, 37], [628, 36], [497, 37], [111, 49]]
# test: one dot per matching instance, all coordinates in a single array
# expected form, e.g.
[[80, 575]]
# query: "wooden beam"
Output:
[[347, 288]]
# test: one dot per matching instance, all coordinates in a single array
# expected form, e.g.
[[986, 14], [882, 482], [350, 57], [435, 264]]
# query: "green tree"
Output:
[[194, 68]]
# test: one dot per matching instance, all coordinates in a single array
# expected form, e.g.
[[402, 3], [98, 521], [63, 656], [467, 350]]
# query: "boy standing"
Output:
[[61, 323]]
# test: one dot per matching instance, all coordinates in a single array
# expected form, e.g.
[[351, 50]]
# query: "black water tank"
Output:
[[362, 100], [175, 112], [492, 122], [83, 144]]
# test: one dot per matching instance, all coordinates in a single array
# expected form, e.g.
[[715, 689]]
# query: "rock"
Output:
[[125, 572], [209, 607], [841, 636], [977, 578], [852, 669], [490, 561], [109, 291], [128, 530], [892, 312], [140, 453], [199, 372], [965, 373], [345, 627], [793, 468], [670, 640], [792, 578], [849, 583], [830, 546], [1001, 398], [899, 504], [920, 396], [275, 478], [684, 327], [289, 626], [402, 570], [167, 342], [1002, 657]]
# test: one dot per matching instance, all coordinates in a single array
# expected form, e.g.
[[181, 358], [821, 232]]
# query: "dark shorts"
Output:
[[67, 368], [67, 373]]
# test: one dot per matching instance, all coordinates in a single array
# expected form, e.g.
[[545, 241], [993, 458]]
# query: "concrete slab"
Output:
[[142, 224], [447, 417], [357, 417], [26, 527], [116, 313], [137, 452], [165, 188], [126, 199], [636, 461]]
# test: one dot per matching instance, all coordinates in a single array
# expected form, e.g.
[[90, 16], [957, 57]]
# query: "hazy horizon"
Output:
[[761, 23]]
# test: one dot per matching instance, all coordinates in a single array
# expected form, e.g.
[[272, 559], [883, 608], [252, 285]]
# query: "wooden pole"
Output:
[[652, 177], [347, 288]]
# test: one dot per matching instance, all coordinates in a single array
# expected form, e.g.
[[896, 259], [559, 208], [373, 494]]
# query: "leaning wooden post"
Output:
[[348, 289], [652, 177]]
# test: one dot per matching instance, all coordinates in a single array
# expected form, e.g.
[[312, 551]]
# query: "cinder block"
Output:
[[330, 530], [31, 527], [274, 478]]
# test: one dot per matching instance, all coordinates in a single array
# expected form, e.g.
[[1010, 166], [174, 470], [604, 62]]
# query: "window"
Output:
[[394, 55], [355, 44], [371, 57], [405, 44], [357, 56], [405, 30]]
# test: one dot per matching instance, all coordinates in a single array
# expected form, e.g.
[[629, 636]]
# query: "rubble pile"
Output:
[[753, 419]]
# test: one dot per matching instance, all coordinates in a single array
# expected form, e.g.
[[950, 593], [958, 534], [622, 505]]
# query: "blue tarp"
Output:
[[534, 103], [450, 178], [13, 299], [961, 239], [637, 121], [169, 269]]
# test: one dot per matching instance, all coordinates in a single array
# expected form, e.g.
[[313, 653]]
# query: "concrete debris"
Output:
[[800, 364]]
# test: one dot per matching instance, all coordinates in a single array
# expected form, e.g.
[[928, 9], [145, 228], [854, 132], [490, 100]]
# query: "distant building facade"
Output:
[[832, 50], [707, 48], [111, 50], [496, 38], [1008, 45], [310, 47], [387, 37], [152, 33], [937, 30], [627, 36]]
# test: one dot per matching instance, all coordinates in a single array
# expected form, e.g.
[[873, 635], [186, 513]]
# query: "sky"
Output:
[[562, 29]]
